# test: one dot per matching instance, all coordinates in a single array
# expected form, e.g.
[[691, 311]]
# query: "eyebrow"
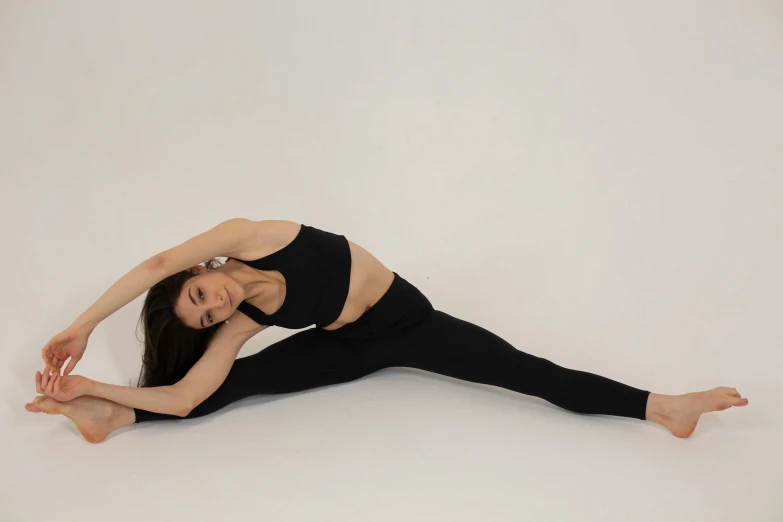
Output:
[[200, 319]]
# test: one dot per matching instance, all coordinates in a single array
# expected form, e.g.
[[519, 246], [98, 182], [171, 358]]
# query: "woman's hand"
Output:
[[71, 342], [62, 387]]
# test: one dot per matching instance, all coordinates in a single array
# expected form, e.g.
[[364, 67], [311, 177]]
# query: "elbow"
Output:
[[185, 407], [156, 265], [182, 400]]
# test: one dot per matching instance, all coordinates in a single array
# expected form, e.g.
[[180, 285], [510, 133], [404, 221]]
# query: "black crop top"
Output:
[[317, 270]]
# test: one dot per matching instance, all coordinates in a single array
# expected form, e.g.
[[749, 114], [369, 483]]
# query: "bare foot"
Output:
[[680, 413], [94, 417]]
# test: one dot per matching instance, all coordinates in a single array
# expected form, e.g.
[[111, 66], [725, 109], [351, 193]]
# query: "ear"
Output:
[[195, 270]]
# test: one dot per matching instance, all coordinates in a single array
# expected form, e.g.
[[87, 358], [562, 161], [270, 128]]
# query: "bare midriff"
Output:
[[369, 280]]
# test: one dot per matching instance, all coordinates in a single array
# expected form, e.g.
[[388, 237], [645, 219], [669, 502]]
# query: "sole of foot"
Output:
[[94, 417]]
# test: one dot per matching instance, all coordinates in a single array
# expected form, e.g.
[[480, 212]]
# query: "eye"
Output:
[[200, 294], [209, 317]]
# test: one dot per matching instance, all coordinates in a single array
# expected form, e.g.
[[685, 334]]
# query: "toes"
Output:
[[43, 404], [33, 405], [728, 391], [724, 405], [738, 400]]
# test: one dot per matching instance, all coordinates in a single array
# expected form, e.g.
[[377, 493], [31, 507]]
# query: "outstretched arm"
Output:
[[179, 399], [230, 238], [226, 239]]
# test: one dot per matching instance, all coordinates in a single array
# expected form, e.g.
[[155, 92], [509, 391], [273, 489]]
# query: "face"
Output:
[[208, 299]]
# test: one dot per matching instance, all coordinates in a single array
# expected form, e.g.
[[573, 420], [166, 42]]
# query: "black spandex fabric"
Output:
[[404, 330], [316, 266]]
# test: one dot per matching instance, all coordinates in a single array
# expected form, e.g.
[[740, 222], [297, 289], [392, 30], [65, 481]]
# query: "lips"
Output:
[[230, 299]]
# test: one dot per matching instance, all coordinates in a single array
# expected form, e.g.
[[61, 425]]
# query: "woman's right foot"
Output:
[[680, 413], [94, 417]]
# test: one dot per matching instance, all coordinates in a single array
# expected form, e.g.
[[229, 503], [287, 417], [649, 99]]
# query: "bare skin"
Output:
[[96, 418], [680, 413]]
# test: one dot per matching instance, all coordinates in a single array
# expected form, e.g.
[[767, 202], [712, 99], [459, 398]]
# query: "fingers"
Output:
[[48, 381], [50, 387], [50, 357], [53, 355], [70, 366], [44, 379]]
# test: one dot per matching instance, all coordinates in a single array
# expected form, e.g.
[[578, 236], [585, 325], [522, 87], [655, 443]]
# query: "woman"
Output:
[[197, 318]]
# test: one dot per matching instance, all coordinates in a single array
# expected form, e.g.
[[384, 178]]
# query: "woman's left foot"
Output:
[[680, 413], [94, 417]]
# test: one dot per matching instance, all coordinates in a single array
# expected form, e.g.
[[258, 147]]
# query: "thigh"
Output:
[[304, 360], [451, 346]]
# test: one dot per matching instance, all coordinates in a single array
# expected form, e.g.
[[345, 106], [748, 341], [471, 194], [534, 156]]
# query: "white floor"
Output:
[[600, 183]]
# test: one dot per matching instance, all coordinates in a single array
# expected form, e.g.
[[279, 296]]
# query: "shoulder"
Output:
[[267, 229], [265, 236], [275, 228]]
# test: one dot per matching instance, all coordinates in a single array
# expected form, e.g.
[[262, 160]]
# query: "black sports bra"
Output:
[[317, 270]]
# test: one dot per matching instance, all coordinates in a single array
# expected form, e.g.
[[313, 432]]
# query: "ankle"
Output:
[[122, 416], [658, 406]]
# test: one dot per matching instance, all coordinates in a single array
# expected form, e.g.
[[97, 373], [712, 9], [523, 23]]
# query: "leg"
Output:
[[305, 360], [449, 346]]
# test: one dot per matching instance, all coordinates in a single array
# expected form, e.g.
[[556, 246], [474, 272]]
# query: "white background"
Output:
[[599, 183]]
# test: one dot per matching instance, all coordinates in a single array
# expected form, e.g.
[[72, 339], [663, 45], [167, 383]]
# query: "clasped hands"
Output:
[[70, 343]]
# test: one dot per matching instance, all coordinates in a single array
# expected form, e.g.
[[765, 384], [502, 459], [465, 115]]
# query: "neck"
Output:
[[254, 282]]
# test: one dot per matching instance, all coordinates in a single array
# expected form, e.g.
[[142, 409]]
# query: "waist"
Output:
[[400, 309]]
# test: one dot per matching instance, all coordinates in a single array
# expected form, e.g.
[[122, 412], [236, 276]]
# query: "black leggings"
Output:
[[403, 329]]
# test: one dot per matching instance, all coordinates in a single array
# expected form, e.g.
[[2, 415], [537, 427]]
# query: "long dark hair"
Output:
[[171, 348]]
